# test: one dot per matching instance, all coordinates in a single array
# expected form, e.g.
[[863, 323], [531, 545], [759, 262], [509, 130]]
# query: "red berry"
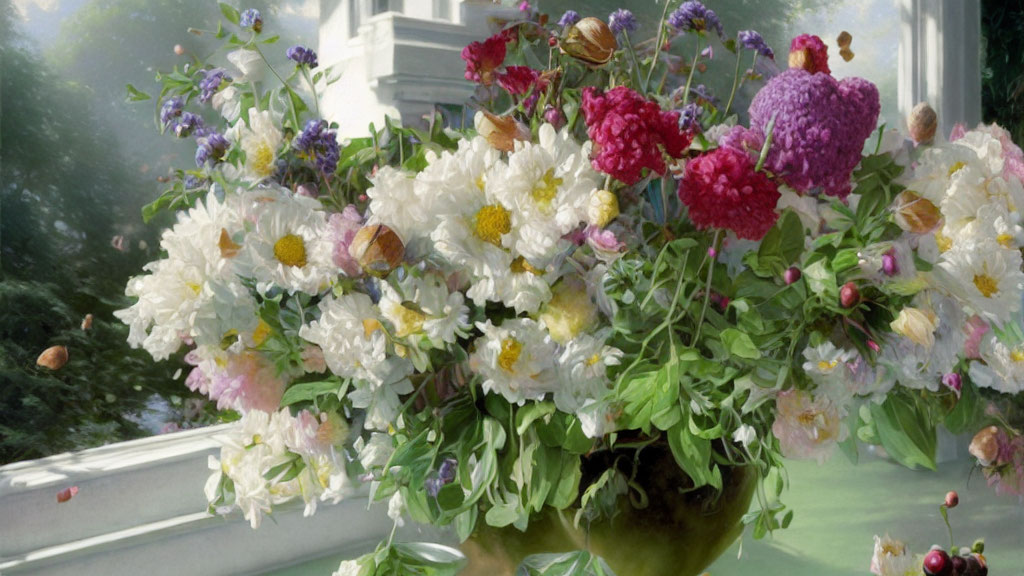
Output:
[[791, 275], [552, 41], [952, 499], [849, 296], [959, 566], [938, 563]]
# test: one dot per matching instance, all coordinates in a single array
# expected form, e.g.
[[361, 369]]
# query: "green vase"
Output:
[[679, 533]]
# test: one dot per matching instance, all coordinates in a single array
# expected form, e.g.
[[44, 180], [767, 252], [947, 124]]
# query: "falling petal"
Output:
[[66, 494]]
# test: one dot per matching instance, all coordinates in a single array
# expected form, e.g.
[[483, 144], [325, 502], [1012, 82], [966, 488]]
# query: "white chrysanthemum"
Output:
[[290, 244], [582, 368], [249, 63], [399, 204], [516, 360], [825, 359], [1003, 370], [350, 568], [966, 196], [192, 294], [423, 306], [995, 222], [985, 277], [355, 346], [261, 141], [514, 282], [938, 166], [892, 559], [549, 184], [228, 101], [987, 149], [931, 344], [905, 362]]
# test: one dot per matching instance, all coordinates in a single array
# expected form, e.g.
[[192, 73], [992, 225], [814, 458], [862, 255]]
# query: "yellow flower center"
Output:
[[194, 287], [491, 222], [262, 161], [593, 360], [544, 192], [1017, 355], [261, 333], [510, 351], [480, 182], [986, 284], [521, 265], [409, 321], [893, 549], [370, 325], [956, 168], [826, 366], [290, 250], [1005, 240], [944, 242]]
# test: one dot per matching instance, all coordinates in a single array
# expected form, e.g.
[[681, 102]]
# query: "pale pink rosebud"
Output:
[[554, 117], [952, 499], [791, 275], [849, 296], [179, 49], [954, 382]]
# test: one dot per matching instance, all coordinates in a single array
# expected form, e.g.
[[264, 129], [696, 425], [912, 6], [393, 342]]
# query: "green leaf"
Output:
[[270, 40], [968, 410], [579, 563], [693, 454], [450, 496], [567, 483], [905, 431], [427, 559], [531, 412], [845, 259], [309, 391], [135, 95], [739, 344], [650, 396], [229, 12]]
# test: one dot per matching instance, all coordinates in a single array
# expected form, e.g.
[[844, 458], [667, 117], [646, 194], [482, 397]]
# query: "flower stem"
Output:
[[707, 290], [657, 47], [689, 79], [291, 104], [735, 83], [312, 89]]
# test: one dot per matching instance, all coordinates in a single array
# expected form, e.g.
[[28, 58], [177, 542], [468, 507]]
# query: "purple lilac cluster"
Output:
[[622, 20], [251, 18], [318, 142], [689, 117], [302, 56], [171, 110], [694, 16], [188, 124], [569, 18], [211, 82], [820, 127], [211, 146], [445, 475], [752, 40]]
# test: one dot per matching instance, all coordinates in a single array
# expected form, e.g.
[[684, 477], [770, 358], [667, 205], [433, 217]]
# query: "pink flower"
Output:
[[722, 190], [246, 381], [630, 133], [807, 426], [958, 132], [344, 227], [808, 52], [603, 241], [975, 328], [482, 58], [518, 80]]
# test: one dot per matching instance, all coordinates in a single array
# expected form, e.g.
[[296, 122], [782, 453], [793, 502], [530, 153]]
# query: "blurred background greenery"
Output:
[[1002, 76]]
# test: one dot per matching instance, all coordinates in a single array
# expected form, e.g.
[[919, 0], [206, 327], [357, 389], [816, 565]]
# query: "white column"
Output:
[[939, 60]]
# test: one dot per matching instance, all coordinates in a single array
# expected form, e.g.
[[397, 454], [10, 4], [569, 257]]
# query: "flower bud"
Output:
[[917, 325], [953, 381], [590, 40], [603, 208], [923, 123], [54, 357], [938, 563], [985, 445], [179, 49], [791, 275], [849, 296], [952, 499], [554, 117], [890, 267], [915, 214], [378, 249], [501, 131]]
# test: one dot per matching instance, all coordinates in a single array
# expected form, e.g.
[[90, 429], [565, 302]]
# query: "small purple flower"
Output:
[[211, 146], [689, 117], [694, 16], [702, 92], [302, 56], [187, 124], [432, 486], [171, 110], [211, 82], [524, 6], [569, 18], [752, 40], [318, 143], [889, 265], [621, 20], [251, 18], [446, 472], [192, 182]]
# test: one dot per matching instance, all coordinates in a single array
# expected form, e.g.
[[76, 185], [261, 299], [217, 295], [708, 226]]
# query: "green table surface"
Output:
[[840, 506]]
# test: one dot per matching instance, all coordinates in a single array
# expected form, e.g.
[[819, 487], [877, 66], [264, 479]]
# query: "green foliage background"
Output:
[[1002, 79]]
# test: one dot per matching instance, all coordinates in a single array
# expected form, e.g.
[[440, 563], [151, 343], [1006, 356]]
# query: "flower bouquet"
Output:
[[584, 333]]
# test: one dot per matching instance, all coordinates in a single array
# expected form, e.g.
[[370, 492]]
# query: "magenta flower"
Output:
[[722, 190]]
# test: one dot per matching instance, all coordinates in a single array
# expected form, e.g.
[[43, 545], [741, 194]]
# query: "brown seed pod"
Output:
[[985, 446], [923, 122], [378, 249], [590, 40], [844, 39], [54, 357], [502, 131], [915, 214]]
